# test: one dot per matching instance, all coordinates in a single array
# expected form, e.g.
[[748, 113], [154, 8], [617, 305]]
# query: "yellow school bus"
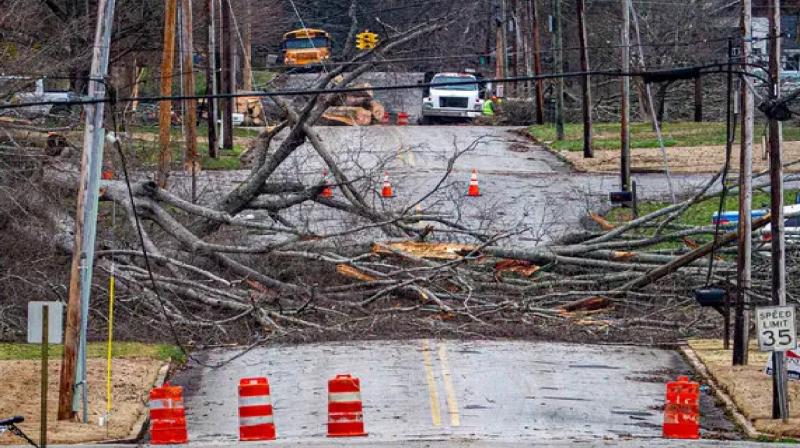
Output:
[[306, 46]]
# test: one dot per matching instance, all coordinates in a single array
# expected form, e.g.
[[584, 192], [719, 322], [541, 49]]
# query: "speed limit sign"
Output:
[[776, 328]]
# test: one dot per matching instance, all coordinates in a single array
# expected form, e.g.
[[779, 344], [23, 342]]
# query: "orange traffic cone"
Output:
[[327, 191], [473, 184], [387, 191]]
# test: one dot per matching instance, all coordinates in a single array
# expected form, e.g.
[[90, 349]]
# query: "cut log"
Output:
[[377, 111], [588, 304], [348, 116]]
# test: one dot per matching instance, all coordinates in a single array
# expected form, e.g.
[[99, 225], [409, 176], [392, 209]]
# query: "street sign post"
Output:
[[44, 327], [776, 328], [36, 318]]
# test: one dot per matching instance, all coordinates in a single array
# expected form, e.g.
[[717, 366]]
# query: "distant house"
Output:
[[790, 27], [788, 7]]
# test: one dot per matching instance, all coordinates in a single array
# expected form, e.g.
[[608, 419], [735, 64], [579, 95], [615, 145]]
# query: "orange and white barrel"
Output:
[[345, 409], [255, 410], [167, 416]]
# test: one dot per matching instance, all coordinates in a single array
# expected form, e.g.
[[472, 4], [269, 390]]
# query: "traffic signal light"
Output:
[[361, 41], [372, 40], [366, 40]]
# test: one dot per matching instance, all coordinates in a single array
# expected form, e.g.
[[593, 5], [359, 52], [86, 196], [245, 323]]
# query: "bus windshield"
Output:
[[306, 43], [465, 87]]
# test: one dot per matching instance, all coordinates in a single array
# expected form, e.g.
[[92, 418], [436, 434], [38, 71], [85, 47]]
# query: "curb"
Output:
[[140, 427], [723, 396]]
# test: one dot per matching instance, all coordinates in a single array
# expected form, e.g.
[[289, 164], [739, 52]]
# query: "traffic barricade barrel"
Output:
[[167, 416], [255, 410], [682, 410], [402, 119], [345, 409]]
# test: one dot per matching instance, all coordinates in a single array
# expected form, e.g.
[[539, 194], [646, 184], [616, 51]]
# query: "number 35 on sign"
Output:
[[776, 328]]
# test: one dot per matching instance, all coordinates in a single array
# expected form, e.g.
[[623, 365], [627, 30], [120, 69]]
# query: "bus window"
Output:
[[306, 43]]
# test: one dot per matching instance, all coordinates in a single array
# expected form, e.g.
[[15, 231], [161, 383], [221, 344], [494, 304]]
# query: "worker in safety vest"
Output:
[[490, 107]]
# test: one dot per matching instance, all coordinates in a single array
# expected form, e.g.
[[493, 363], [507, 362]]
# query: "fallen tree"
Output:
[[255, 262]]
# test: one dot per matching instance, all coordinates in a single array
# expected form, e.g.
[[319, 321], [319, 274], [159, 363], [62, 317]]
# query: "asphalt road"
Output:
[[436, 390], [522, 184]]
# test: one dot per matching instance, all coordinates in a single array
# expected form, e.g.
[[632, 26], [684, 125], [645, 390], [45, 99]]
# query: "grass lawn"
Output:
[[147, 152], [700, 213], [202, 130], [134, 371], [749, 387], [161, 352], [606, 135]]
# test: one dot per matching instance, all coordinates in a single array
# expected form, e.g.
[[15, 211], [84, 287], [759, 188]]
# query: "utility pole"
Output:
[[559, 68], [698, 99], [80, 283], [741, 325], [625, 112], [500, 55], [504, 37], [165, 106], [227, 75], [247, 38], [211, 80], [780, 405], [537, 63], [192, 160], [511, 26], [527, 61], [586, 86]]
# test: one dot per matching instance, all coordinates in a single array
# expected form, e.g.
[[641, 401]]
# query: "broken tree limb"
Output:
[[686, 259]]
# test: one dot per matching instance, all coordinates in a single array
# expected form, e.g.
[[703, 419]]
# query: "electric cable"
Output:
[[678, 72]]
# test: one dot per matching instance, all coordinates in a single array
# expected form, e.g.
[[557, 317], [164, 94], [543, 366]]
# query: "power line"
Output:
[[674, 73]]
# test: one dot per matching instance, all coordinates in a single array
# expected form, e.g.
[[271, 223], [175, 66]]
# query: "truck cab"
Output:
[[453, 101]]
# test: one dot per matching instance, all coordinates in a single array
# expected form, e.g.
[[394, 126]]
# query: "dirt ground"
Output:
[[749, 387], [132, 380], [699, 159]]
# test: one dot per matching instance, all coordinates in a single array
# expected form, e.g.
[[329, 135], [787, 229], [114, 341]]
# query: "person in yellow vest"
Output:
[[489, 107]]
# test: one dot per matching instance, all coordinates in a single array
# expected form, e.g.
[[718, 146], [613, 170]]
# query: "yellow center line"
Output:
[[433, 392], [450, 391]]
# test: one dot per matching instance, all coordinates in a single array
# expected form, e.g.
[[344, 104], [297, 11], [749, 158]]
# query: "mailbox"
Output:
[[620, 197], [714, 297]]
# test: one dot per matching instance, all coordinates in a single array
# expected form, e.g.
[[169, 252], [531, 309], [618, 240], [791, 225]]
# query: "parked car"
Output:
[[34, 91]]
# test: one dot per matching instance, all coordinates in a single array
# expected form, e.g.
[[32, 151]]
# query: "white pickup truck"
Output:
[[27, 90], [455, 101]]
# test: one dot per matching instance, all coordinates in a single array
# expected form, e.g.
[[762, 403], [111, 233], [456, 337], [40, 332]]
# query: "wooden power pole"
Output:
[[500, 52], [741, 325], [80, 283], [537, 62], [780, 405], [211, 79], [165, 106], [698, 99], [247, 43], [625, 107], [227, 75], [559, 69], [586, 83], [191, 159]]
